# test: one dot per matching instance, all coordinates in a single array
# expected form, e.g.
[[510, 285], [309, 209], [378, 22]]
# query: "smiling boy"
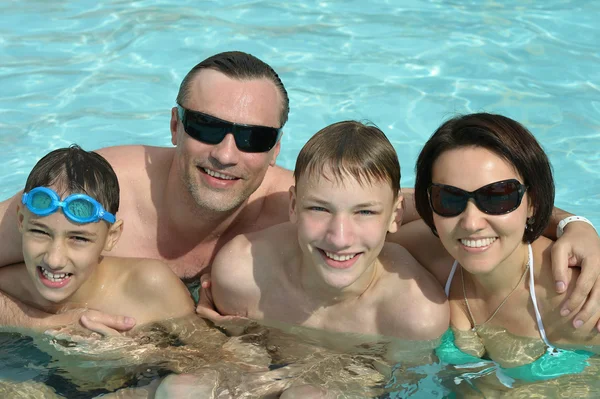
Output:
[[330, 268], [67, 219]]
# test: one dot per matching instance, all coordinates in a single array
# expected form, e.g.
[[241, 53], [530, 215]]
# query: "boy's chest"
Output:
[[355, 317]]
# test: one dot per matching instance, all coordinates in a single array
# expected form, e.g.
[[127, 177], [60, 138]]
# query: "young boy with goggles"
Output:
[[64, 241]]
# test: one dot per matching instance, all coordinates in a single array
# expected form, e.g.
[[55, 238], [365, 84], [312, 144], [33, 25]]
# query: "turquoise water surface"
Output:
[[103, 73]]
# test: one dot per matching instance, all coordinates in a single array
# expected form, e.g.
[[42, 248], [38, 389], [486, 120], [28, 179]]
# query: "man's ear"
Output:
[[20, 218], [292, 202], [114, 233], [173, 125], [276, 150], [396, 218]]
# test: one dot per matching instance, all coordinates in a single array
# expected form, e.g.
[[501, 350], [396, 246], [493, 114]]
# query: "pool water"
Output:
[[103, 73]]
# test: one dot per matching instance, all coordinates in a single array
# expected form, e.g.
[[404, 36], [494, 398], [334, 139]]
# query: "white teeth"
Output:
[[54, 276], [339, 258], [483, 242], [218, 175]]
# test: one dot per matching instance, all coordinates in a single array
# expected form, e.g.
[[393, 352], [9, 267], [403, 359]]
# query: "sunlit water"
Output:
[[101, 73]]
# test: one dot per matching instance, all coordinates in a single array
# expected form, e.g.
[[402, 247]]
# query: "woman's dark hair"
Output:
[[506, 138]]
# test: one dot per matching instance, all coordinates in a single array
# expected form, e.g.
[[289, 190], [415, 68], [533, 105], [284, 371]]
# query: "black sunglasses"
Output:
[[212, 130], [497, 198]]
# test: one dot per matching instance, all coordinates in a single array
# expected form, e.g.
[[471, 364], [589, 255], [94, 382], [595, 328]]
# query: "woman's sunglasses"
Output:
[[497, 198], [212, 130]]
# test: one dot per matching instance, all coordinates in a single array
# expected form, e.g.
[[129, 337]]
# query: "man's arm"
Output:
[[10, 238], [578, 246], [410, 213], [15, 315]]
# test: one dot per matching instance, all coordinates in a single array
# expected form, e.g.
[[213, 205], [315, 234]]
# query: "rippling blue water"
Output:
[[106, 73], [101, 73]]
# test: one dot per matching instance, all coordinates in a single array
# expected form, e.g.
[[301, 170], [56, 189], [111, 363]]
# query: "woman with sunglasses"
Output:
[[484, 186], [67, 220]]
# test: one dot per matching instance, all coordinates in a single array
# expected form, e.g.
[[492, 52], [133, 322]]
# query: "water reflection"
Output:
[[260, 363]]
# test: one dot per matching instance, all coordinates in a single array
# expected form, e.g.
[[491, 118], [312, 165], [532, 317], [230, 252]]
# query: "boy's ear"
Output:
[[114, 233], [292, 202], [396, 219], [20, 218]]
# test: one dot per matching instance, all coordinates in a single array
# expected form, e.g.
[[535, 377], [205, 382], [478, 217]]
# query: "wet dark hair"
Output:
[[359, 150], [241, 66], [504, 137], [73, 170]]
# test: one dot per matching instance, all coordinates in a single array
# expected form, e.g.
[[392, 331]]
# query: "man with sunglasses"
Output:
[[183, 204]]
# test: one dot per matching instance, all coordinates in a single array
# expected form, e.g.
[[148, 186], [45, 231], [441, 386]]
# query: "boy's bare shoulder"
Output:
[[412, 300], [142, 273], [262, 243], [153, 283], [242, 266], [264, 249]]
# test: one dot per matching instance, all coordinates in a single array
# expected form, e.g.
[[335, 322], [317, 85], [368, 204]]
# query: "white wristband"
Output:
[[560, 229]]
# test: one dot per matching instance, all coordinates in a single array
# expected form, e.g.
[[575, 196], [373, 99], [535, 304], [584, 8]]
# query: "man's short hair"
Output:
[[241, 66], [73, 170], [350, 148]]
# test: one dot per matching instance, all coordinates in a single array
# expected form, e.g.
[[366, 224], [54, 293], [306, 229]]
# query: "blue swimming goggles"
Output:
[[79, 208]]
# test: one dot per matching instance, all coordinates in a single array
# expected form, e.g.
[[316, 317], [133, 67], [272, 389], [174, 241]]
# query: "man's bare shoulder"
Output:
[[278, 179], [412, 299], [277, 184], [261, 245], [131, 162]]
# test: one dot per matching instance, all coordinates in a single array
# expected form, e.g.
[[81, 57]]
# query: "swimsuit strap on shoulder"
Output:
[[538, 317], [450, 277]]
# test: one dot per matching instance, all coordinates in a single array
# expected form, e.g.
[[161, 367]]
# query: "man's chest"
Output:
[[187, 258]]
